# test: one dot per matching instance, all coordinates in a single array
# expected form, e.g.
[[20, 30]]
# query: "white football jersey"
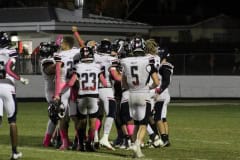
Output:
[[67, 59], [157, 61], [5, 55], [49, 79], [88, 74], [138, 71], [157, 64], [106, 61]]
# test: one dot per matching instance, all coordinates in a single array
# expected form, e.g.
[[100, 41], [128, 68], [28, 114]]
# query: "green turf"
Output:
[[196, 133]]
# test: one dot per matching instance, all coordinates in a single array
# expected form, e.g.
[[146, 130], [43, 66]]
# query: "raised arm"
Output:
[[77, 36]]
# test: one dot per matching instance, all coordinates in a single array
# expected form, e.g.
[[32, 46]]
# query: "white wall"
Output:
[[205, 86], [181, 86], [35, 88]]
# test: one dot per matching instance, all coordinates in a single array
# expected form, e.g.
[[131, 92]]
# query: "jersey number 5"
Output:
[[134, 70]]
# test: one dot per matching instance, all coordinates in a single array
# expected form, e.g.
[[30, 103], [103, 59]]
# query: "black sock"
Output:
[[14, 149], [75, 140], [152, 136], [154, 128], [81, 134], [164, 137]]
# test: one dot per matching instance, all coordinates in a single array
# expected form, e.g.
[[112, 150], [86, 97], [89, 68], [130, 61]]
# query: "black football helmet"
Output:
[[56, 111], [4, 40], [86, 54], [105, 46], [47, 49], [164, 53], [118, 45], [122, 47], [137, 44]]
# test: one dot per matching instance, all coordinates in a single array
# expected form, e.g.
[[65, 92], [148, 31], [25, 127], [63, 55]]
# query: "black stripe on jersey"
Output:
[[150, 69], [165, 71], [168, 65], [88, 95], [151, 60], [14, 54], [57, 58], [115, 63]]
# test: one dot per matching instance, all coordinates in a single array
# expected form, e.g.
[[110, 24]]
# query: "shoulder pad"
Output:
[[168, 65]]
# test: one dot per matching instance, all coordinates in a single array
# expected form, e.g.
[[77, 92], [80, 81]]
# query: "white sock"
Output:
[[50, 127], [108, 125], [149, 130], [96, 136]]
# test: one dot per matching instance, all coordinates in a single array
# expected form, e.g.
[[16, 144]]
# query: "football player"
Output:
[[7, 87], [64, 63], [136, 71], [151, 48], [126, 126], [88, 74], [46, 51], [107, 60], [163, 98]]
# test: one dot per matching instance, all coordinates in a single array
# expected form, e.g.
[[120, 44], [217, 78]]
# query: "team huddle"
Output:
[[124, 82]]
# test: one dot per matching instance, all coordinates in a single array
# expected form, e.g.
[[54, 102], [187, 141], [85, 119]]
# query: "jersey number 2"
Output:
[[85, 79]]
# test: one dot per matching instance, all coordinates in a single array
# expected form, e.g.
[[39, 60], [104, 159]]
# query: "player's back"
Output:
[[137, 70], [106, 61], [67, 60], [88, 74], [48, 78]]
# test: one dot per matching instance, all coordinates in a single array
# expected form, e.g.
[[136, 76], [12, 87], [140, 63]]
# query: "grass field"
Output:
[[197, 132]]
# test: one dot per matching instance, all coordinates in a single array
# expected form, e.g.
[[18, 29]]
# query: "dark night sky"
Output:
[[184, 11]]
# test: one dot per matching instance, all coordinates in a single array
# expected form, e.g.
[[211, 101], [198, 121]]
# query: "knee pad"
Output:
[[124, 113], [158, 110], [147, 115], [112, 108]]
